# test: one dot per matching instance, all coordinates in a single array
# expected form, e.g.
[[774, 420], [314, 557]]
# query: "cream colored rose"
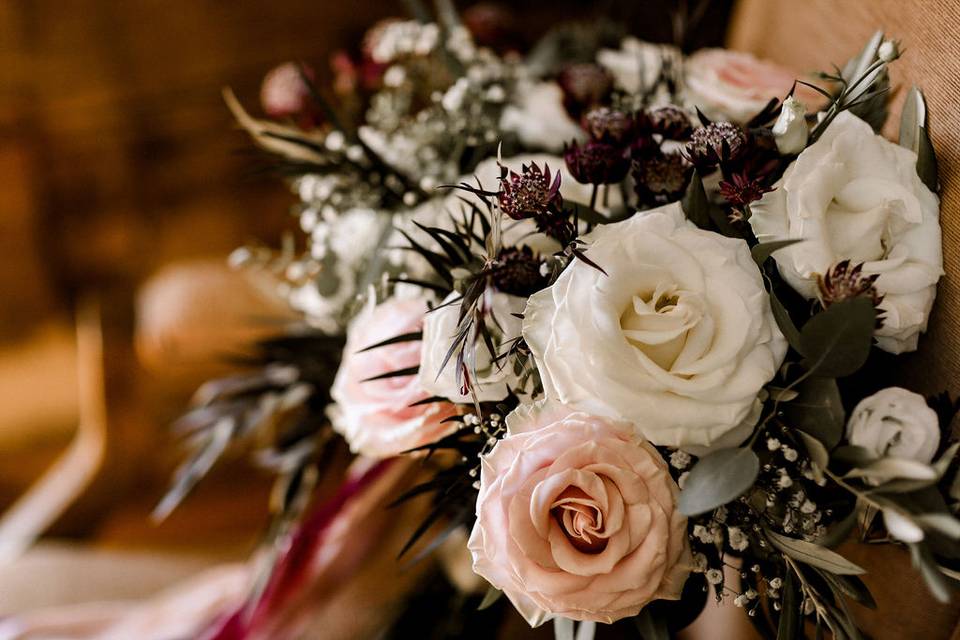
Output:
[[539, 119], [854, 196], [735, 86], [576, 517], [495, 379], [378, 418], [677, 337], [895, 423]]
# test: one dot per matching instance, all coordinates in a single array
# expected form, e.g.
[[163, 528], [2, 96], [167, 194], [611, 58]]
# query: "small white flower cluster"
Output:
[[404, 38]]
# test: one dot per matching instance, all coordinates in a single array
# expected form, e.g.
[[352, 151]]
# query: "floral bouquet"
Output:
[[631, 311]]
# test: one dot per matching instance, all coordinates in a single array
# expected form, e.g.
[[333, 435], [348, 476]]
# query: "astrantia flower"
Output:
[[716, 142], [844, 281], [609, 125], [577, 517], [661, 176], [671, 122], [529, 193], [742, 189], [677, 337], [596, 162]]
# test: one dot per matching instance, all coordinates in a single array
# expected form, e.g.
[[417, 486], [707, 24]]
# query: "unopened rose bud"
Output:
[[285, 94], [888, 51], [790, 130]]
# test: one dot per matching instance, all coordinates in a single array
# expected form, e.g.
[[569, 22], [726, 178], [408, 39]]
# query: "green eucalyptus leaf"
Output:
[[851, 586], [785, 322], [836, 341], [814, 555], [493, 594], [764, 250], [941, 522], [818, 453], [924, 562], [694, 202], [717, 479], [891, 468], [853, 455], [817, 411], [912, 119]]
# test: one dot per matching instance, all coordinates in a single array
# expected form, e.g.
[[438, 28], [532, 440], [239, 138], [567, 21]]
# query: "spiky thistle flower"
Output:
[[529, 193], [844, 281]]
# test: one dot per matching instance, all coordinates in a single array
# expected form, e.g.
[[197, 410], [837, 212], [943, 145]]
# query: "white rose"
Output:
[[636, 65], [439, 330], [895, 423], [677, 338], [539, 118], [790, 131], [853, 195]]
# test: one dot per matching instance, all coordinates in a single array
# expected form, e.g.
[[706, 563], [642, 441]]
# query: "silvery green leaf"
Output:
[[818, 453], [941, 522], [818, 411], [717, 479], [913, 118], [762, 251], [790, 609], [784, 321], [857, 65], [927, 162], [779, 394], [891, 468], [493, 594], [902, 527], [924, 562], [814, 555], [836, 341]]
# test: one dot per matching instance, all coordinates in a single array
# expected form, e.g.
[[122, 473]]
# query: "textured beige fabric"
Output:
[[812, 34]]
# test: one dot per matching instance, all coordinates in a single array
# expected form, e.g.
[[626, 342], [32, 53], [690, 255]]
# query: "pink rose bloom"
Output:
[[577, 518], [376, 416], [735, 86]]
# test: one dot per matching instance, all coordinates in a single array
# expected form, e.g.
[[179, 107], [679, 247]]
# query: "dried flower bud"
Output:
[[283, 93], [790, 131], [596, 162], [661, 177], [671, 122], [716, 142], [517, 272], [584, 85], [528, 193], [607, 125], [888, 51]]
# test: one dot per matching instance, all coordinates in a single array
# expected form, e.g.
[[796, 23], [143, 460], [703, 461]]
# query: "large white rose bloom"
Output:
[[677, 338], [854, 195]]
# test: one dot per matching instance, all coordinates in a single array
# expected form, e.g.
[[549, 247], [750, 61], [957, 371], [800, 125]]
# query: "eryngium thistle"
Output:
[[596, 162], [517, 272], [528, 193], [714, 143], [844, 281]]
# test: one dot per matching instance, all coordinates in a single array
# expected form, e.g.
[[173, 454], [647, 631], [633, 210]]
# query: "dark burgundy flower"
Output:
[[742, 189], [584, 85], [491, 25], [611, 126], [671, 122], [844, 281], [661, 178], [714, 143], [528, 193], [597, 162], [517, 271]]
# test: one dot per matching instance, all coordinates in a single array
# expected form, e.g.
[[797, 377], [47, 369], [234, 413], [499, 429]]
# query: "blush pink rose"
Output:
[[735, 86], [378, 417], [577, 518]]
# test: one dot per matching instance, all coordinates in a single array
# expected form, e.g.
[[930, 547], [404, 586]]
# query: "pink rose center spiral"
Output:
[[581, 520]]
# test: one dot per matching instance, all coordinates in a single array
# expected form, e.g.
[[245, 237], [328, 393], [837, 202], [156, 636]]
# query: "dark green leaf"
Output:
[[399, 373], [836, 341], [790, 609], [717, 479], [927, 162], [493, 594], [695, 204], [403, 337], [851, 586], [785, 322], [817, 411], [924, 562], [814, 555]]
